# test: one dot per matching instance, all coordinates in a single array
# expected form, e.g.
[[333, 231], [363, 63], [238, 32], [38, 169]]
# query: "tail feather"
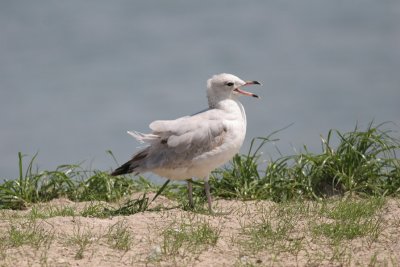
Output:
[[132, 165], [144, 138]]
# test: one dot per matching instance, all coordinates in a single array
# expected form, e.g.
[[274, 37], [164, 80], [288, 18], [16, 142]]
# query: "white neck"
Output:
[[233, 106], [214, 99]]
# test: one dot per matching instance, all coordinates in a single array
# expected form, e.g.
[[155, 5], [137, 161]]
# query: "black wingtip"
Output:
[[123, 169], [131, 165]]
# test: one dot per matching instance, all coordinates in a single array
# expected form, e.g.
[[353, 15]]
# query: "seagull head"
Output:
[[224, 85]]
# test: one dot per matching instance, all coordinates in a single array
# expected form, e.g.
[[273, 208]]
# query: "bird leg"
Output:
[[190, 193], [208, 194]]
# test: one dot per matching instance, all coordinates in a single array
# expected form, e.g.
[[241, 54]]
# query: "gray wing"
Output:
[[174, 143]]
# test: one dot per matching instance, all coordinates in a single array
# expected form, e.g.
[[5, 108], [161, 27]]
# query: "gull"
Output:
[[193, 146]]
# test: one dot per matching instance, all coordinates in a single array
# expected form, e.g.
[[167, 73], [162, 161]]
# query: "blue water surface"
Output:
[[75, 75]]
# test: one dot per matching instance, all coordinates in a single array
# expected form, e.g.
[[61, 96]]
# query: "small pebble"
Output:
[[155, 254], [244, 259]]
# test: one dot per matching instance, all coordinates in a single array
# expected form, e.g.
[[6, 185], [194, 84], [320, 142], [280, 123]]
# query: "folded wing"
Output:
[[174, 143]]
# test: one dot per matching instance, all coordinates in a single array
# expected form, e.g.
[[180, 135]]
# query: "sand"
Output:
[[85, 241]]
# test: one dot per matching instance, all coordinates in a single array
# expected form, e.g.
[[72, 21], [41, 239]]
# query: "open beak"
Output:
[[243, 92]]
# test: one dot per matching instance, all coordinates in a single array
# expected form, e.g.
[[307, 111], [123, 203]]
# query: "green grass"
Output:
[[82, 239], [119, 237], [359, 162], [129, 207], [362, 163], [49, 212], [192, 237], [27, 232], [273, 230], [323, 230], [350, 209], [67, 181], [351, 219], [340, 230]]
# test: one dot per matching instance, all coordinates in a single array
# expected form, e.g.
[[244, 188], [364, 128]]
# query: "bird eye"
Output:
[[229, 84]]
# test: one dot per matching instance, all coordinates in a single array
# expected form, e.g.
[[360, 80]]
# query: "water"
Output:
[[74, 75]]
